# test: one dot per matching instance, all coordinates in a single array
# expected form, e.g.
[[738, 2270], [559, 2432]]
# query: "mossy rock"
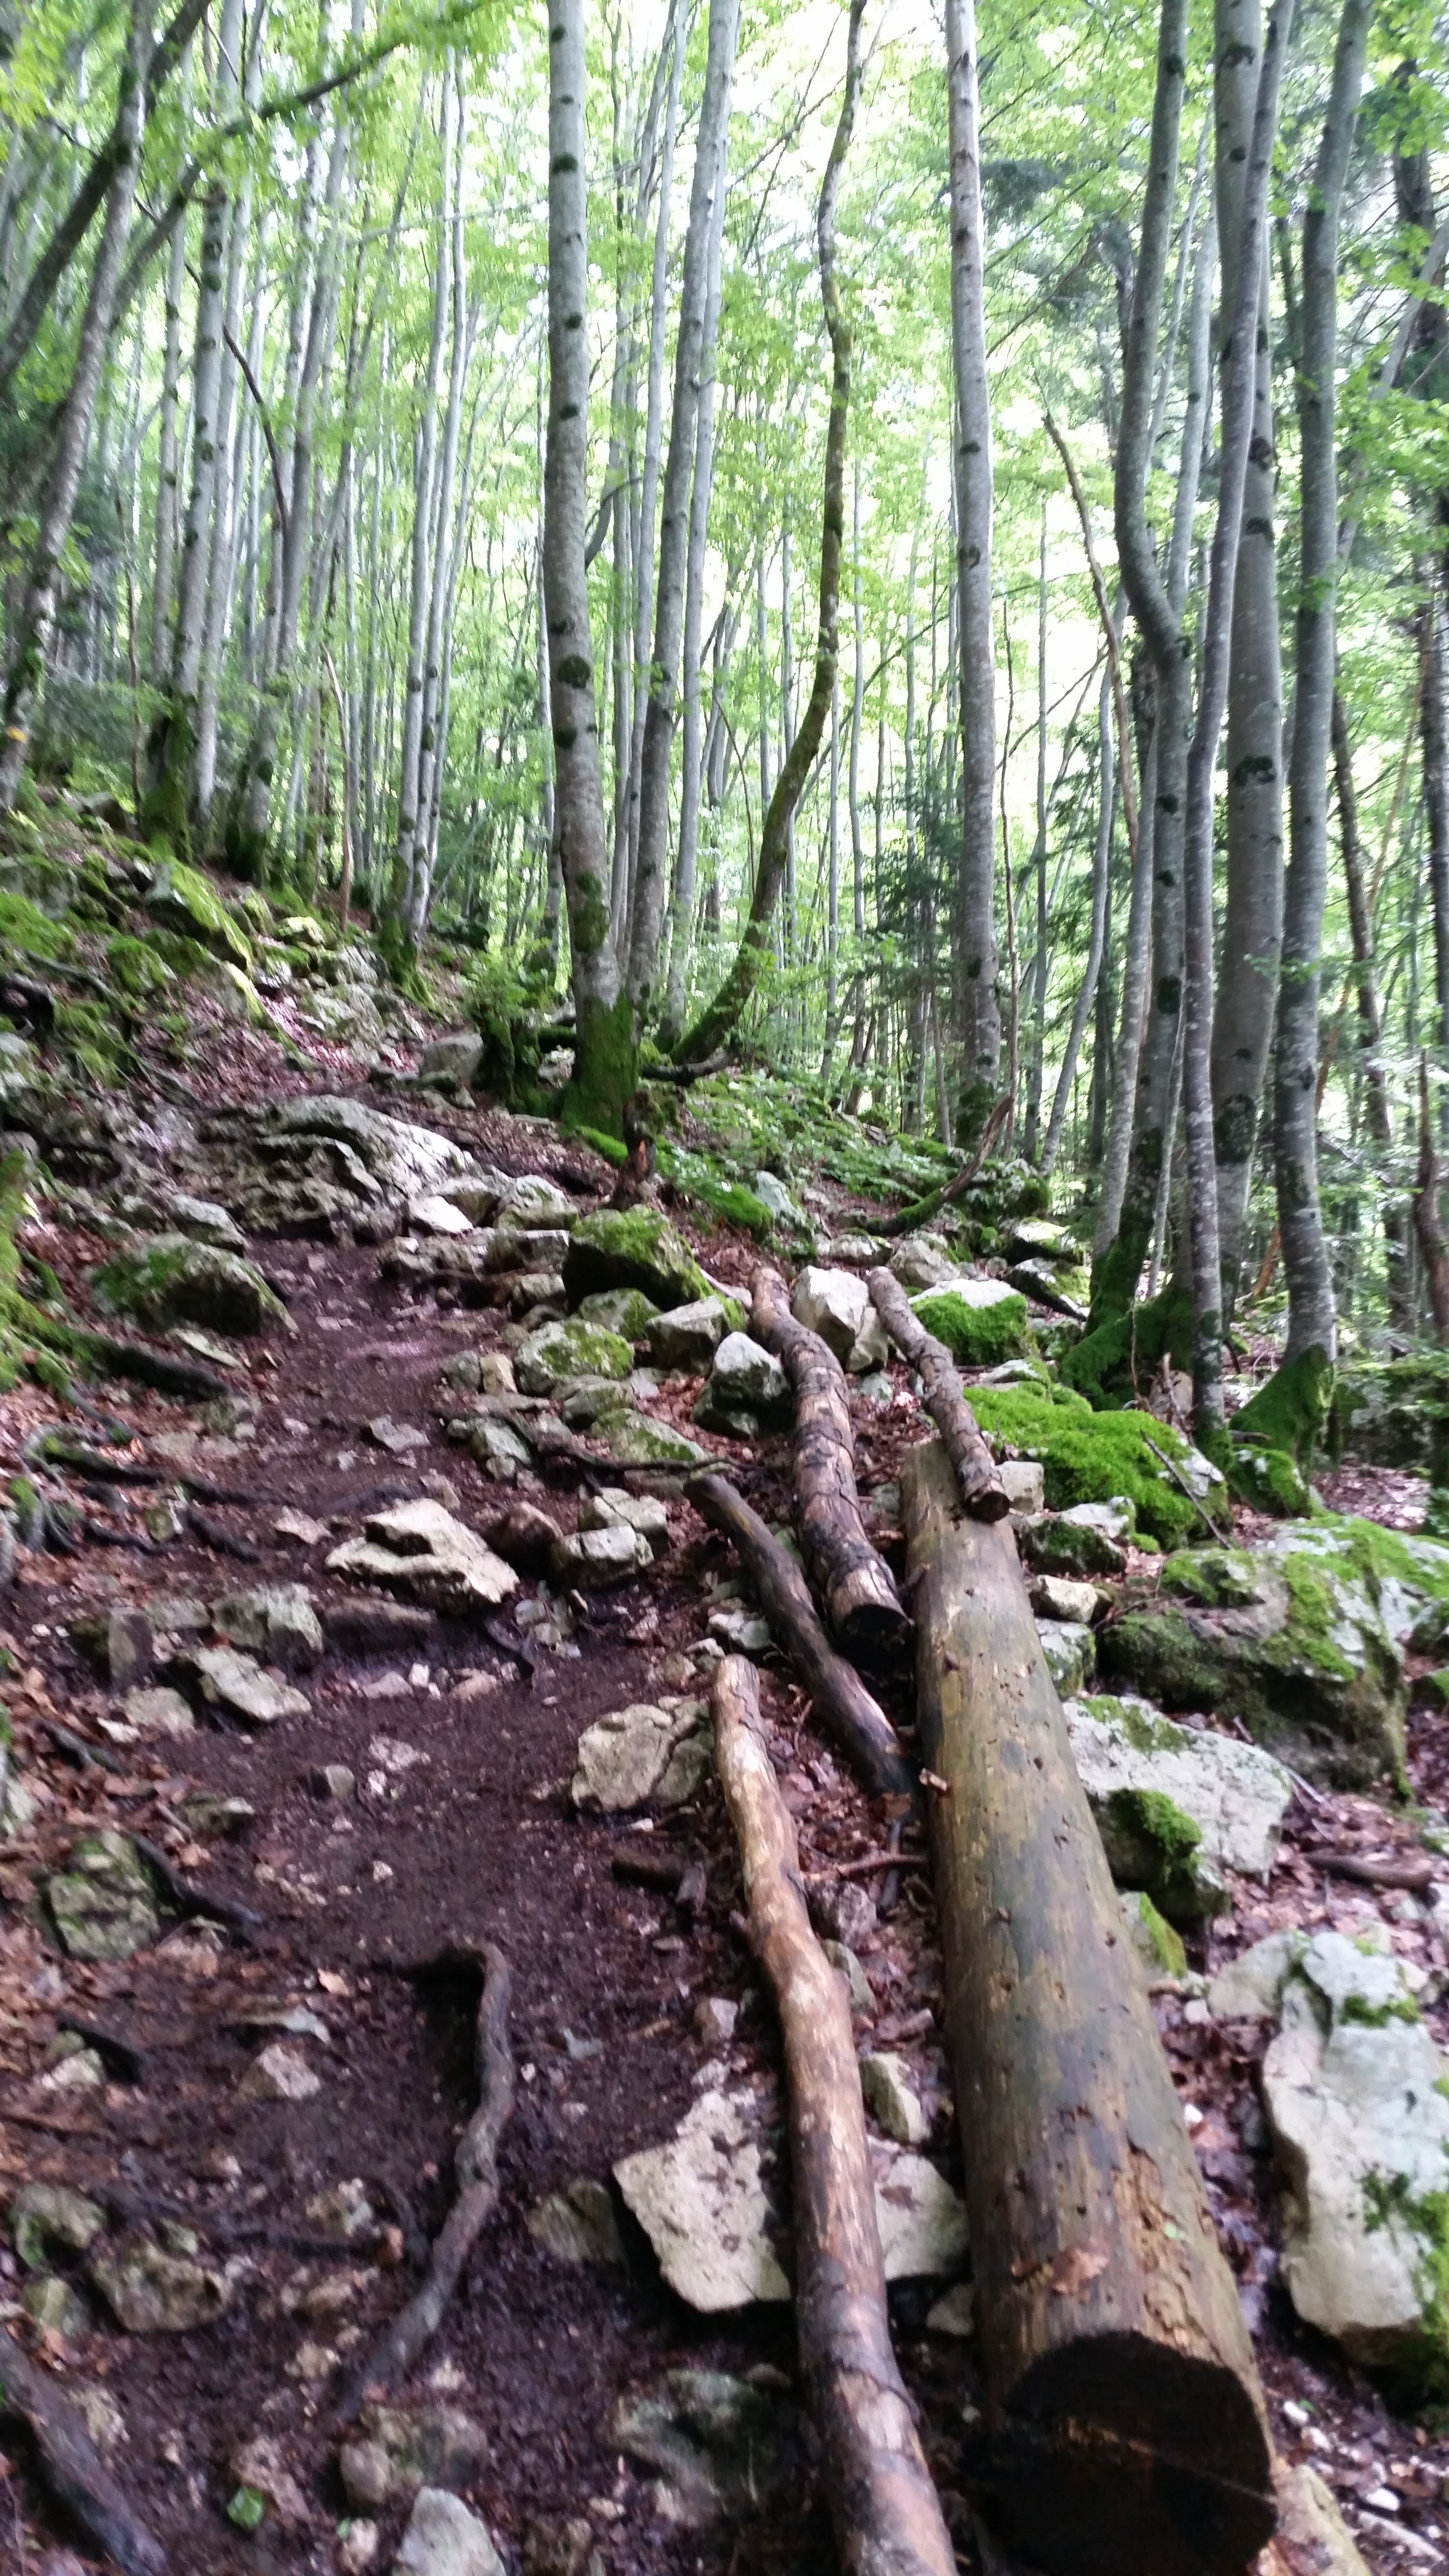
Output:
[[1290, 1413], [170, 1279], [1292, 1641], [136, 968], [626, 1311], [1091, 1457], [572, 1349], [1157, 1945], [981, 1321], [185, 901], [1269, 1480], [23, 925], [637, 1440], [1117, 1359], [1394, 1413], [104, 1905], [631, 1248], [1150, 1843]]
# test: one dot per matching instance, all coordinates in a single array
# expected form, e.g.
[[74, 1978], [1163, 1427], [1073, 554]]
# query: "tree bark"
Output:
[[1239, 398], [651, 880], [604, 1059], [853, 1579], [842, 1706], [1252, 927], [1121, 2392], [1370, 1017], [978, 967], [34, 628], [982, 1490], [1312, 1323], [168, 457], [1434, 739], [721, 1016], [424, 500], [886, 2512], [1428, 1222], [1097, 937], [170, 751]]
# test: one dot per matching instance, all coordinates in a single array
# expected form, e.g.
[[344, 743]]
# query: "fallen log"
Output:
[[475, 2163], [1127, 2425], [1415, 1874], [71, 2465], [982, 1490], [886, 2512], [852, 1578], [841, 1703]]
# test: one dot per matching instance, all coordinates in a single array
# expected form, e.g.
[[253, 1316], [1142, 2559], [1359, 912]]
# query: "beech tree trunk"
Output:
[[1097, 936], [721, 1017], [1252, 927], [1312, 1321], [1122, 2399], [853, 1579], [978, 968], [603, 1074], [1377, 1102], [886, 2512], [33, 631], [168, 454]]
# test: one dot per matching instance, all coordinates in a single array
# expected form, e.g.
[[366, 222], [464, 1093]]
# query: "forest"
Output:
[[724, 1287]]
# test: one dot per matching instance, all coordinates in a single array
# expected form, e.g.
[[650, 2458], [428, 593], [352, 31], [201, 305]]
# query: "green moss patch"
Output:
[[1089, 1457], [185, 901], [1157, 1945], [981, 1321], [1151, 1844], [632, 1248]]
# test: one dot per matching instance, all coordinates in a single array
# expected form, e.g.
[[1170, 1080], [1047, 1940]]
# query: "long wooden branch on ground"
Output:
[[982, 1490], [1128, 2423], [852, 1577], [71, 2465], [841, 1702], [886, 2512], [475, 2163]]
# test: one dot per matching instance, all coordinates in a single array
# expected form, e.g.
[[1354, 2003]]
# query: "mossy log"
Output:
[[841, 1703], [886, 2512], [982, 1490], [1128, 2428], [853, 1579]]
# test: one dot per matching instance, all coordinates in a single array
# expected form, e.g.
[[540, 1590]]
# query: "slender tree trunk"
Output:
[[1036, 1064], [832, 900], [424, 502], [719, 1020], [1101, 877], [699, 500], [1312, 1323], [432, 740], [168, 454], [1370, 1019], [1253, 918], [1434, 737], [646, 523], [1239, 398], [34, 627], [1118, 1266], [604, 1058], [978, 995]]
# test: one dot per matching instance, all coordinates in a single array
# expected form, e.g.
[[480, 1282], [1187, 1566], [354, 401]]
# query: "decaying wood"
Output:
[[72, 2466], [982, 1490], [885, 2509], [1127, 2421], [841, 1703], [1415, 1874], [475, 2164], [853, 1579]]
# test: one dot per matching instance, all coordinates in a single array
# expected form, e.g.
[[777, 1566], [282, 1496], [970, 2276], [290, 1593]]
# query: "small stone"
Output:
[[450, 1063], [1055, 1596], [500, 1449], [834, 1304], [740, 1631], [398, 1438], [358, 2546], [955, 2314], [54, 2306], [644, 1513], [383, 1686], [1023, 1481], [568, 1349], [1157, 1945], [578, 2225], [889, 2093], [474, 1687], [158, 1712], [396, 2450], [842, 1910], [714, 2020], [715, 2444], [922, 1261], [495, 1374], [374, 1627], [344, 2209], [444, 2539], [312, 2362], [626, 1311], [280, 2074], [594, 1559], [1063, 1543], [1250, 1987], [130, 1646], [1069, 1652], [862, 1994], [553, 2548], [262, 2465], [335, 1781], [150, 2291], [745, 1381], [276, 1620], [688, 1337], [204, 1219], [633, 1440], [700, 2200], [237, 1683], [103, 1906], [169, 1279], [43, 2214], [771, 1192], [73, 2068], [920, 2219], [300, 1526]]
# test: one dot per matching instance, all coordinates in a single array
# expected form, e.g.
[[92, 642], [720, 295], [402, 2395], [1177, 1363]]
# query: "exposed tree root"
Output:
[[71, 2465]]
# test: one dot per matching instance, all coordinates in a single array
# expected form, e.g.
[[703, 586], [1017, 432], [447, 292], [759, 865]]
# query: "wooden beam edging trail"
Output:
[[1128, 2430], [883, 2504], [982, 1490], [852, 1577]]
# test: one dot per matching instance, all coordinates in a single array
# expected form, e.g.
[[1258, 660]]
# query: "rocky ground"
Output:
[[394, 1636]]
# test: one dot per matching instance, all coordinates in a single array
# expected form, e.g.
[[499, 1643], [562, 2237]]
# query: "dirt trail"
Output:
[[459, 1829]]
